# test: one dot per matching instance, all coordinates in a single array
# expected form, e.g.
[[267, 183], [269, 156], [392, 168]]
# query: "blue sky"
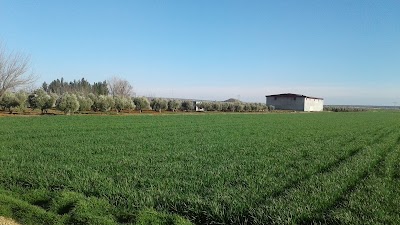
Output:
[[347, 52]]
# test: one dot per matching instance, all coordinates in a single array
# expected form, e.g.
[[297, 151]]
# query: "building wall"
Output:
[[197, 107], [286, 103], [312, 104]]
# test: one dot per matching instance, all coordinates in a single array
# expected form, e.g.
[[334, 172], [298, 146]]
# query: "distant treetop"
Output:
[[60, 87]]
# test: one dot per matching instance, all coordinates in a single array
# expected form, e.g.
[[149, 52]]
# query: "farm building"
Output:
[[197, 106], [296, 102]]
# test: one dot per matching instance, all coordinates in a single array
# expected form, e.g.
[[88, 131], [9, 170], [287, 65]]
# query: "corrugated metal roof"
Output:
[[292, 95]]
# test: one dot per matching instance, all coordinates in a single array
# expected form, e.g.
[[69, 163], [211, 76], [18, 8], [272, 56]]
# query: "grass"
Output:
[[208, 168]]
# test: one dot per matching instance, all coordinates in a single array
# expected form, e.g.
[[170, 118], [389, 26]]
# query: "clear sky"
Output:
[[347, 52]]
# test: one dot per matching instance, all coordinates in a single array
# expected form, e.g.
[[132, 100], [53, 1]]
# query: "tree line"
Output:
[[79, 102], [60, 86], [344, 109], [81, 96]]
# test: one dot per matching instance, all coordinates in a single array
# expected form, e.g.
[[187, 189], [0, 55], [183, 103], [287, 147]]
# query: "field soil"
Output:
[[6, 221]]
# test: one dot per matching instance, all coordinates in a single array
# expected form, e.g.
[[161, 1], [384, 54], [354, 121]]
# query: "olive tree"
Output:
[[95, 100], [256, 107], [122, 103], [264, 107], [85, 103], [9, 100], [68, 103], [187, 105], [224, 107], [105, 103], [231, 107], [206, 105], [141, 103], [42, 100], [216, 106], [173, 105], [158, 104], [14, 68], [247, 107], [22, 97], [238, 107]]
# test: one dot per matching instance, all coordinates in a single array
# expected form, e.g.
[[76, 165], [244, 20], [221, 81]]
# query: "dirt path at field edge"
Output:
[[6, 221]]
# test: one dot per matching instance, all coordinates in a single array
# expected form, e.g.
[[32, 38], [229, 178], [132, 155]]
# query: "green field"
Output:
[[294, 168]]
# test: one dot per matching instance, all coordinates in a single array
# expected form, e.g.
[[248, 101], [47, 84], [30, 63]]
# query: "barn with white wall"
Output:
[[289, 101]]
